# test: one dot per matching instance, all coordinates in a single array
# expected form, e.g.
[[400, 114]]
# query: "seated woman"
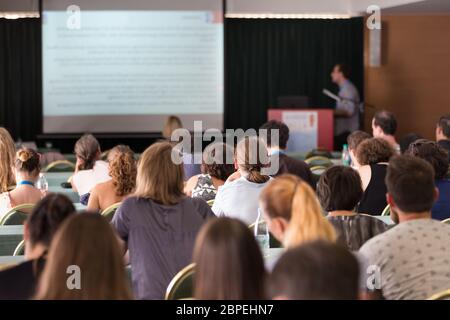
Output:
[[228, 262], [293, 213], [339, 190], [7, 156], [239, 198], [437, 156], [19, 282], [215, 171], [373, 155], [89, 169], [27, 170], [159, 223], [122, 169], [85, 243]]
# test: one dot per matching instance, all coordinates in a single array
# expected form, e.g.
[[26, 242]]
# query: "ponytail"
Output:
[[307, 221]]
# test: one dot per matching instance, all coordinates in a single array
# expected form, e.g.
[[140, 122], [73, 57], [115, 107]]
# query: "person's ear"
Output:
[[436, 194], [278, 227]]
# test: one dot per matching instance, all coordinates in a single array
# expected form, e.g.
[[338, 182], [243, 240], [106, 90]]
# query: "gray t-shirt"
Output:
[[349, 93], [413, 259], [160, 240]]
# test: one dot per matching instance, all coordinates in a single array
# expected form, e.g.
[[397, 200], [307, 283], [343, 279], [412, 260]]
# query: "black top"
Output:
[[19, 282], [374, 198], [295, 167], [446, 145]]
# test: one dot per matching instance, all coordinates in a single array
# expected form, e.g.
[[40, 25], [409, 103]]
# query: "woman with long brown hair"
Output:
[[7, 155], [89, 169], [293, 213], [122, 169], [239, 198], [228, 262], [85, 246], [159, 222], [27, 168]]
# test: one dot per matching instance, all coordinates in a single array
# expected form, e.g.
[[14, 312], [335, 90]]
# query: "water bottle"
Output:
[[42, 183], [346, 160], [261, 232]]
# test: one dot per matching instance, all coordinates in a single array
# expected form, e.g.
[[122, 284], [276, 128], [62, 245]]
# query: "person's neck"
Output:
[[405, 217], [442, 138], [340, 82], [338, 213], [34, 252], [20, 179], [390, 139]]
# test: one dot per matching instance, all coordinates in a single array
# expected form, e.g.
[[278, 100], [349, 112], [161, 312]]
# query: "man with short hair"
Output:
[[413, 258], [443, 133], [384, 126], [286, 163], [347, 109], [315, 271], [353, 141]]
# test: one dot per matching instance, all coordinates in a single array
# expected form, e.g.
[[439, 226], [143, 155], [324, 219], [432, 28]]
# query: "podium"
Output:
[[308, 128]]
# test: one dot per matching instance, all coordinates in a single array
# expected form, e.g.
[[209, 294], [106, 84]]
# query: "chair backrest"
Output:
[[444, 295], [273, 242], [319, 153], [447, 221], [17, 215], [319, 161], [60, 166], [182, 285], [386, 211], [109, 212], [20, 249]]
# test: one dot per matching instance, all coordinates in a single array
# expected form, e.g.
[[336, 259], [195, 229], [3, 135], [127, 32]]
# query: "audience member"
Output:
[[228, 262], [339, 191], [122, 169], [89, 169], [293, 213], [277, 148], [159, 223], [384, 126], [7, 156], [353, 141], [443, 133], [19, 282], [217, 166], [27, 170], [406, 141], [86, 247], [373, 156], [315, 271], [239, 198], [433, 153], [413, 258]]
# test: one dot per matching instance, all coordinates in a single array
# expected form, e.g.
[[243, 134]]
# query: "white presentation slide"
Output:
[[127, 70]]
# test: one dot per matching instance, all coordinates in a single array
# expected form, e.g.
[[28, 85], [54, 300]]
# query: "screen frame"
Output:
[[224, 96]]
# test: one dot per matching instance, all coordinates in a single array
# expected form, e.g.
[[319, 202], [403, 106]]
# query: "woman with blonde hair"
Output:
[[159, 222], [293, 213], [7, 155], [239, 198], [27, 168], [88, 242], [122, 169]]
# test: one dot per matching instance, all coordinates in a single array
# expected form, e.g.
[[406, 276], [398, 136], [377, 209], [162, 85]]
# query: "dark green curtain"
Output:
[[20, 77], [267, 58]]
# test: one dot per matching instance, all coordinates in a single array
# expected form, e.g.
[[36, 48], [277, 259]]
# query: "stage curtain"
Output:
[[267, 58], [20, 77]]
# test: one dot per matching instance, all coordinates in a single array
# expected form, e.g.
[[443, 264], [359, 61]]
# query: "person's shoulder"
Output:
[[16, 272], [102, 187], [378, 244]]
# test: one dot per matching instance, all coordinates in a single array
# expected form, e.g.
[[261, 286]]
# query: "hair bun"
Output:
[[23, 155]]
